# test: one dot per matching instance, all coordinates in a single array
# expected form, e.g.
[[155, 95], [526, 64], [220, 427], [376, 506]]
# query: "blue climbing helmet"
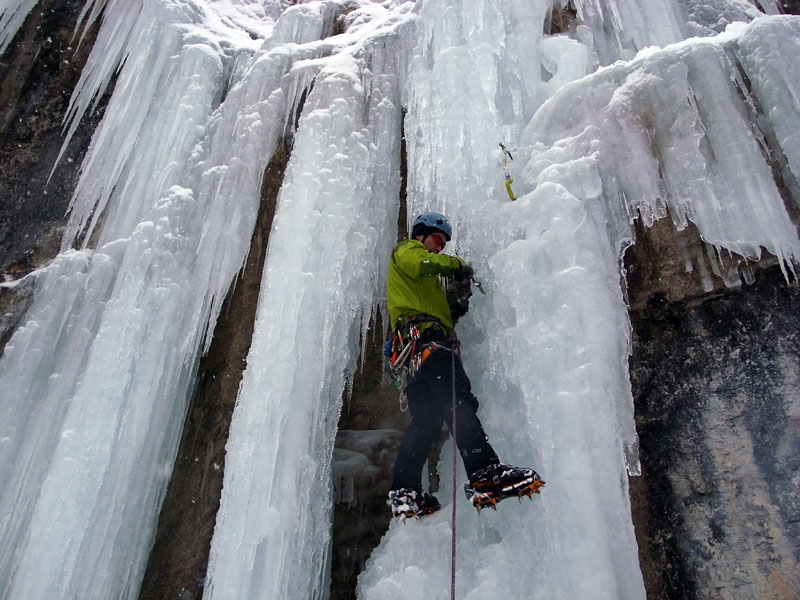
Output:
[[432, 220]]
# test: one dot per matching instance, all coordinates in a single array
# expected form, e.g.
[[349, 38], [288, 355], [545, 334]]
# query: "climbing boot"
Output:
[[406, 503], [489, 486]]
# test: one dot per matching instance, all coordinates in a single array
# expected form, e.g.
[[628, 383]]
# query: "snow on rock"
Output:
[[763, 49], [679, 130]]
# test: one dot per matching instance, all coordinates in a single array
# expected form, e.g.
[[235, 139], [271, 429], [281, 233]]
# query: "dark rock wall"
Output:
[[715, 379], [362, 475], [371, 427], [791, 6], [370, 430]]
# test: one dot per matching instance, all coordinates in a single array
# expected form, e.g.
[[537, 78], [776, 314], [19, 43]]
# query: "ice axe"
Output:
[[505, 156]]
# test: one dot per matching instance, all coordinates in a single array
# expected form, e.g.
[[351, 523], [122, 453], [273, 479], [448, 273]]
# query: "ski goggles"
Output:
[[441, 242]]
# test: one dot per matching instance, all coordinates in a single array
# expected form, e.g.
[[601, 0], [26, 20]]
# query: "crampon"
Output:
[[498, 482], [407, 503]]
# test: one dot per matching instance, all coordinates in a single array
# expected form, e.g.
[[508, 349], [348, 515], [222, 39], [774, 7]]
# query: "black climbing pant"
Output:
[[430, 402]]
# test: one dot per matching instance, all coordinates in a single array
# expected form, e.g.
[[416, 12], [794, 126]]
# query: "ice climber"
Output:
[[423, 315]]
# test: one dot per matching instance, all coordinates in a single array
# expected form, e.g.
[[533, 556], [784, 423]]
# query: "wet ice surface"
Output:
[[604, 126]]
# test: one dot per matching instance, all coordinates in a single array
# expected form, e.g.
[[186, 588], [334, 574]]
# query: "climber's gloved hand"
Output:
[[459, 289], [464, 273], [458, 308]]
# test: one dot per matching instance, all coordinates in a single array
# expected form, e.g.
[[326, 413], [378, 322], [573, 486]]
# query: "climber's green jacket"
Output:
[[413, 286]]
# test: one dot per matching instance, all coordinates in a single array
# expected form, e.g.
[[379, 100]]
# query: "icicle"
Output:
[[328, 247], [107, 353], [775, 82], [12, 17], [621, 28], [106, 56], [678, 134]]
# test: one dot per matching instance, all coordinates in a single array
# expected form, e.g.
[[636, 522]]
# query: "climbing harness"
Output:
[[505, 156], [455, 347], [407, 355]]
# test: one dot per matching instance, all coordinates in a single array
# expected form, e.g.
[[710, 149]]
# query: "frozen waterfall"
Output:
[[683, 108]]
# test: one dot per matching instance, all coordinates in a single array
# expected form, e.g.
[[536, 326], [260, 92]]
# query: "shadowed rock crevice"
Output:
[[371, 427]]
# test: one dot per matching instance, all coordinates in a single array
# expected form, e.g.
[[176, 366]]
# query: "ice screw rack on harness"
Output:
[[407, 355]]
